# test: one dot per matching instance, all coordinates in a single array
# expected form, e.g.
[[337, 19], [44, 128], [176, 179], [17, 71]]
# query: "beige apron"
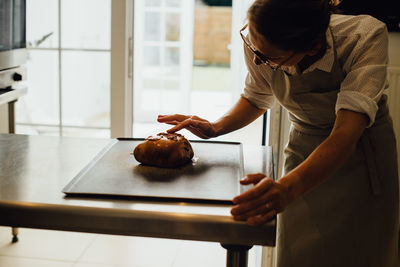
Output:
[[351, 219]]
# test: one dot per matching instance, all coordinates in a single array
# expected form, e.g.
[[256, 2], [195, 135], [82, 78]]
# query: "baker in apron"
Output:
[[338, 201], [351, 219]]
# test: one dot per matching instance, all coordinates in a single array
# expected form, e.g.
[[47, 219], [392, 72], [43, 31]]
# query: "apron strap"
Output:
[[370, 159]]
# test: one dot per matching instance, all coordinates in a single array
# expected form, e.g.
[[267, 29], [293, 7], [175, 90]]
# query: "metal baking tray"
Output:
[[213, 175]]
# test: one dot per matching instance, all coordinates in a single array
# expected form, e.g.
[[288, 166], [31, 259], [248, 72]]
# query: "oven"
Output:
[[13, 54], [13, 57]]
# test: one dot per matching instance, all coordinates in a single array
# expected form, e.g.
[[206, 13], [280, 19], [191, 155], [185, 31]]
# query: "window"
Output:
[[68, 69], [188, 59], [162, 57]]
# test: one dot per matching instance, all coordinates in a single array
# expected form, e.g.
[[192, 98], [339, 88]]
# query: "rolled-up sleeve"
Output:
[[366, 69], [257, 89]]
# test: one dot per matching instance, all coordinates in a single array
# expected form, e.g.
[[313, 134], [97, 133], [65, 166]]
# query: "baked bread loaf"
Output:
[[164, 150]]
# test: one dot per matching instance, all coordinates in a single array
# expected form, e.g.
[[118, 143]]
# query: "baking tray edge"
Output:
[[89, 166], [114, 141]]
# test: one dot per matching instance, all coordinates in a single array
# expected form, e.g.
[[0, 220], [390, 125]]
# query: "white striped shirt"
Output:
[[362, 49]]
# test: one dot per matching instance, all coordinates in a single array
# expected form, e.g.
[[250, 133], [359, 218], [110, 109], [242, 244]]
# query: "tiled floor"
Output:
[[44, 248]]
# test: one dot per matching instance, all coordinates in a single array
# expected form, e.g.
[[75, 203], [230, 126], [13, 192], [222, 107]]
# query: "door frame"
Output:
[[121, 68]]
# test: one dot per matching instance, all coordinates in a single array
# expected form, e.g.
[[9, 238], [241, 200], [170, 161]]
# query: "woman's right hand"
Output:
[[198, 126]]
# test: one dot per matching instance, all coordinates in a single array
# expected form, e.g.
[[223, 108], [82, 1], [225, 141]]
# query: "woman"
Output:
[[337, 202]]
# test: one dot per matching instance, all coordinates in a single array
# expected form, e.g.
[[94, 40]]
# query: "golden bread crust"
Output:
[[164, 150]]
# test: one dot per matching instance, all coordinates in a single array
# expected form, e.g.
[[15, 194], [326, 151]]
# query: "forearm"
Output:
[[327, 158], [322, 163], [242, 114]]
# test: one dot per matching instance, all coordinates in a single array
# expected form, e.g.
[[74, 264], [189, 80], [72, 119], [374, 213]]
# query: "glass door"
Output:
[[188, 59], [163, 35]]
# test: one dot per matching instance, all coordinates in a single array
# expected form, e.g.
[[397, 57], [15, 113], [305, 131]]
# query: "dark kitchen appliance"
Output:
[[13, 54]]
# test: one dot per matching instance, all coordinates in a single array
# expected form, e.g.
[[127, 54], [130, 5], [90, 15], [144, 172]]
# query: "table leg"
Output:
[[236, 255], [14, 234], [11, 116], [11, 129]]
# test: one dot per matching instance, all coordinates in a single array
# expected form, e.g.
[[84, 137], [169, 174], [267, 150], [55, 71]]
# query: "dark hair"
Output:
[[293, 25]]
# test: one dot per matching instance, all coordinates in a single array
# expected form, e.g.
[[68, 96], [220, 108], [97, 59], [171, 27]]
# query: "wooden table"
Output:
[[34, 170]]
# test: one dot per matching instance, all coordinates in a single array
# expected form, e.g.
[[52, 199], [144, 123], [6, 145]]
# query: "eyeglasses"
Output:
[[259, 55]]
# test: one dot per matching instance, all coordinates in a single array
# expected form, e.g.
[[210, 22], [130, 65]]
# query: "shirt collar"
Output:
[[325, 63]]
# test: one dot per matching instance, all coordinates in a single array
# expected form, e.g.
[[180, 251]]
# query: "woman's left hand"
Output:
[[262, 202]]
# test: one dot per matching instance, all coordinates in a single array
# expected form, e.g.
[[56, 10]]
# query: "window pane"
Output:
[[170, 71], [164, 101], [171, 66], [151, 100], [170, 101], [174, 3], [86, 24], [152, 2], [151, 83], [151, 56], [219, 78], [86, 88], [42, 29], [172, 57], [152, 31], [40, 105], [172, 21], [171, 84]]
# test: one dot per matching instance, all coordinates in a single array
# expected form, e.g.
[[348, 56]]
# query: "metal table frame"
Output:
[[36, 168]]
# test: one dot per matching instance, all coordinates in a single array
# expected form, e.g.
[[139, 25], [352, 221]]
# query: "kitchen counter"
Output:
[[34, 170]]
